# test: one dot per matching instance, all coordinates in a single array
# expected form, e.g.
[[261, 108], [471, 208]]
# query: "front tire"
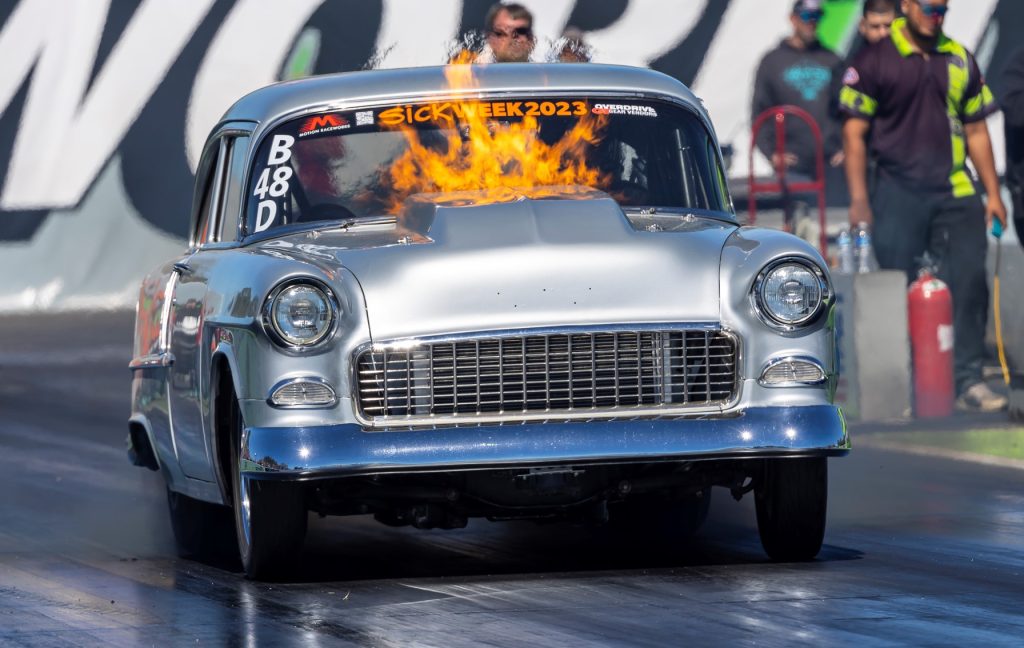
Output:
[[791, 498], [270, 516]]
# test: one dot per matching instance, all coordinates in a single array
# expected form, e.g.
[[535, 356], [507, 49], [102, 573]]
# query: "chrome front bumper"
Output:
[[346, 450]]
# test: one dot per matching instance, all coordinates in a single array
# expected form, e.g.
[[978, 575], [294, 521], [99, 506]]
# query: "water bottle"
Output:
[[846, 260], [865, 253]]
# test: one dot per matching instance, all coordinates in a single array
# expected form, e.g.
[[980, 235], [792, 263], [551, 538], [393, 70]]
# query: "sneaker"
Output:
[[979, 397]]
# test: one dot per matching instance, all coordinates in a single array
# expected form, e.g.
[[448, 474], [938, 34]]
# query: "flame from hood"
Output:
[[497, 158]]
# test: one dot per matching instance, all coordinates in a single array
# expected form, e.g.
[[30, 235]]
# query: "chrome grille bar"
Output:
[[603, 373]]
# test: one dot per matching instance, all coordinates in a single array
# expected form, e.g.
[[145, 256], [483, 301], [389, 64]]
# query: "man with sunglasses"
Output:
[[509, 31], [917, 102]]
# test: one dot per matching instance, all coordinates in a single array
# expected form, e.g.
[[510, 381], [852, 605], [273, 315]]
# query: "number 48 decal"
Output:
[[278, 187]]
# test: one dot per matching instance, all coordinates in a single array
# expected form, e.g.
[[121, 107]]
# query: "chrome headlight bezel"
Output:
[[282, 339], [772, 319]]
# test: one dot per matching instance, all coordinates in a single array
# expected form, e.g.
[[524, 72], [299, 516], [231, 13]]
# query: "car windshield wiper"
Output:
[[358, 221]]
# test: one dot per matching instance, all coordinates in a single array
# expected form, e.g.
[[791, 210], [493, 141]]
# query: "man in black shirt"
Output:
[[919, 101], [799, 72]]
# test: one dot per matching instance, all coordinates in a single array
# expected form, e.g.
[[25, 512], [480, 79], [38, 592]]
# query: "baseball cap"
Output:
[[806, 5]]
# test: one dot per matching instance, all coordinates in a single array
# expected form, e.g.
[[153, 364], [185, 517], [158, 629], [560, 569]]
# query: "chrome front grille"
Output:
[[546, 375]]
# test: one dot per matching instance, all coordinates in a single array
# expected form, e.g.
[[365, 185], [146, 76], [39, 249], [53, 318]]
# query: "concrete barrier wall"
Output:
[[104, 105]]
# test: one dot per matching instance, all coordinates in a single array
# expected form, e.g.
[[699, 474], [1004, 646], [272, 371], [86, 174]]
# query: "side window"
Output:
[[211, 169], [234, 176]]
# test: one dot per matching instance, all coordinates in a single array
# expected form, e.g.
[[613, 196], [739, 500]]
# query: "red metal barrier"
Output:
[[817, 185]]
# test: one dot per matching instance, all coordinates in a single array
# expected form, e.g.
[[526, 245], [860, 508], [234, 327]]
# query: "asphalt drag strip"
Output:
[[919, 549]]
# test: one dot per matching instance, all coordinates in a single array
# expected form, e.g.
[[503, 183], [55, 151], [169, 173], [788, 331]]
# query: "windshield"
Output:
[[350, 164]]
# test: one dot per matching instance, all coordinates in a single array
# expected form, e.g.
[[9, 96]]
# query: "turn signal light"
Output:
[[303, 393], [792, 372]]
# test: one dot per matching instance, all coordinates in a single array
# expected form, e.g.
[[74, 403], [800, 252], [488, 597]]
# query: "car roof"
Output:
[[351, 89]]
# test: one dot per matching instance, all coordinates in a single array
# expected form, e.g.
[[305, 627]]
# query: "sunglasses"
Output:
[[811, 15], [515, 34], [932, 11]]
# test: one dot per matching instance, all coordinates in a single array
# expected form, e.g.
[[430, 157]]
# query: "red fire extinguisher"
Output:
[[930, 313]]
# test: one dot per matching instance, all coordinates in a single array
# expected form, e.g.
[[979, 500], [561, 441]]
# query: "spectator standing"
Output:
[[918, 102], [1012, 103], [875, 24], [799, 72], [509, 31]]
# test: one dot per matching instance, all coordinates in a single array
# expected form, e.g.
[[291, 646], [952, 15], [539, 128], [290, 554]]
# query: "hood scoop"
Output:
[[558, 219]]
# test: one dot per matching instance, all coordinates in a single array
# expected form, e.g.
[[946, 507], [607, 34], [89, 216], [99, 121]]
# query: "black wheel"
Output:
[[791, 498], [270, 516], [668, 520], [201, 530]]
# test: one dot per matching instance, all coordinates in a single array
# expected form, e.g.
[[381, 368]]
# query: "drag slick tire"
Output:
[[791, 498], [201, 530], [270, 517]]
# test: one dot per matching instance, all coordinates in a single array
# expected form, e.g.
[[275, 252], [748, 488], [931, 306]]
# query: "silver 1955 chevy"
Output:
[[511, 291]]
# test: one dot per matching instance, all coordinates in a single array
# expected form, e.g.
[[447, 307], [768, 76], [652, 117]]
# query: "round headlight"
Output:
[[301, 314], [790, 293]]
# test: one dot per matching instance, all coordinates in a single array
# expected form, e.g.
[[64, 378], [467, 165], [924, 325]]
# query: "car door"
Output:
[[214, 227]]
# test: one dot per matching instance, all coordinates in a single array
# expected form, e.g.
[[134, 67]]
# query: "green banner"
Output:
[[839, 24]]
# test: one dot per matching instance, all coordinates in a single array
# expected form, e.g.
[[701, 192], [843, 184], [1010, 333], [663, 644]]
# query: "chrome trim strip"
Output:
[[406, 343], [164, 341], [588, 414], [777, 361], [345, 450], [182, 267], [302, 379], [151, 361]]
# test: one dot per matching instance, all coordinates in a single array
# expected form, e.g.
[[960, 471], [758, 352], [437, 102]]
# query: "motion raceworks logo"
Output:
[[322, 124]]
